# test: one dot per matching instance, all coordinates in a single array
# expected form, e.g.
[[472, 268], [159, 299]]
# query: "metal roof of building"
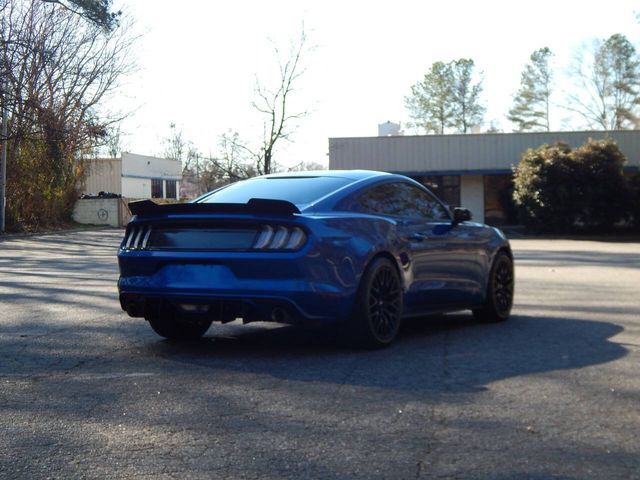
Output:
[[464, 153]]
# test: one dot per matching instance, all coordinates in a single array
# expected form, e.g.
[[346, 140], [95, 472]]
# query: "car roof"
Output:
[[350, 174]]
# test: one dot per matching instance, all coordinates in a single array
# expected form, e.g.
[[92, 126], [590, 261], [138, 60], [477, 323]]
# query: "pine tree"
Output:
[[466, 96], [530, 111], [429, 104], [446, 98]]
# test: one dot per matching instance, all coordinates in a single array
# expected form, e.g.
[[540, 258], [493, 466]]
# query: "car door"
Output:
[[442, 267], [446, 259], [455, 255]]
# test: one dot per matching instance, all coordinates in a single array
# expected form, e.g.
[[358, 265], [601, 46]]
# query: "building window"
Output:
[[445, 187], [171, 188], [156, 188], [499, 207]]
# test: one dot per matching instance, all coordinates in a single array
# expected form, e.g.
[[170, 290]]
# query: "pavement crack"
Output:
[[426, 461], [421, 466]]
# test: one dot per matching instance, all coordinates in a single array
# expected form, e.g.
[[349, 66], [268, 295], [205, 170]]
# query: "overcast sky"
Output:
[[199, 60]]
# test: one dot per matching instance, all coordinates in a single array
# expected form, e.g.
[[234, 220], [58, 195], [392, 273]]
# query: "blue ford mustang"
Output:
[[362, 248]]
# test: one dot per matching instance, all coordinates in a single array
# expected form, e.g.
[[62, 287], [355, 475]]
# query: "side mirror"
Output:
[[461, 215]]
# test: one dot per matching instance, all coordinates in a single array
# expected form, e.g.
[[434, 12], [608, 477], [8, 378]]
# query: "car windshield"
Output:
[[297, 190]]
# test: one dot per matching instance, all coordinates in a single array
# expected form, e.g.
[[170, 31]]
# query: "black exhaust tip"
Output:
[[279, 315]]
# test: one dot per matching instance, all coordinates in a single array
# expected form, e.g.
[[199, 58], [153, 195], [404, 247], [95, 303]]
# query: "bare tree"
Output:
[[273, 103], [233, 162], [59, 71], [202, 173], [114, 141], [307, 167], [175, 146], [607, 77]]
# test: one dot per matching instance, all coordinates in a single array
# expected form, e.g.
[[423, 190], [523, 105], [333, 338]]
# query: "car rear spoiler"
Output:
[[254, 206]]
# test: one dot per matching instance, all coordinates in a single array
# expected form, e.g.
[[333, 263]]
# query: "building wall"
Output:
[[102, 175], [138, 170], [136, 187], [472, 195], [98, 211], [134, 165], [456, 153]]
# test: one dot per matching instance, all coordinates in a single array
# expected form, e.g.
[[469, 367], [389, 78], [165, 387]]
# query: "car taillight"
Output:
[[137, 238], [280, 238], [214, 238]]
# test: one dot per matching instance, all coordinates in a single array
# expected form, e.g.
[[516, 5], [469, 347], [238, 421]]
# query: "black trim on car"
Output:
[[253, 206]]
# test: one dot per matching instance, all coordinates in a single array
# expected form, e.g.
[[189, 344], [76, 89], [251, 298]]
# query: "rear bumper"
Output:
[[288, 291], [222, 308]]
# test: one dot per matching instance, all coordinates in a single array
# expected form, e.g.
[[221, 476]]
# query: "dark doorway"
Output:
[[499, 207]]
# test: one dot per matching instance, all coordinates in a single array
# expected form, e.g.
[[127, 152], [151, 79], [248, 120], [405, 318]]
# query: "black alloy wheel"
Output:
[[378, 312], [503, 287], [500, 291]]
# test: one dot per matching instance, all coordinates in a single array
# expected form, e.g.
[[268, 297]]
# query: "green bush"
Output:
[[557, 189], [605, 196], [633, 182], [545, 190]]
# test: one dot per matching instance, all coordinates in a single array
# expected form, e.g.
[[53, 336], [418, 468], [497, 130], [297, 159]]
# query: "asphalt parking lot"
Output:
[[87, 392]]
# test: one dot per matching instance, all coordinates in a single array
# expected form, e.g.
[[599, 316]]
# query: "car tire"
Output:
[[378, 309], [500, 290], [172, 327]]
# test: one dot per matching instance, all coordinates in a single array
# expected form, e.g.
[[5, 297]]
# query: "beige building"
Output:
[[472, 170], [133, 176]]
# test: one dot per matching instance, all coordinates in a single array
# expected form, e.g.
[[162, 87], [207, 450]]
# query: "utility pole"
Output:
[[3, 158]]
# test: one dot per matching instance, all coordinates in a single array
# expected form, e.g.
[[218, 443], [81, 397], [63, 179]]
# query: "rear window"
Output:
[[297, 190]]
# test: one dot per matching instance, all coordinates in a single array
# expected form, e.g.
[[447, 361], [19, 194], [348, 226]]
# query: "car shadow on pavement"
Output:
[[445, 353]]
